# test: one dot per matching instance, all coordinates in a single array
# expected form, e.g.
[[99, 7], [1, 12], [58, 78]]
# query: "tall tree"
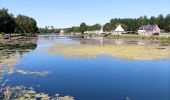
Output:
[[107, 27], [7, 21], [167, 20], [83, 27], [96, 27], [161, 21], [25, 24], [153, 20]]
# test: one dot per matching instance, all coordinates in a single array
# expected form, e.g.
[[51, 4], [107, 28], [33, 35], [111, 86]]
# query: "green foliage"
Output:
[[108, 27], [94, 27], [23, 93], [20, 24], [167, 28], [7, 21], [133, 24], [25, 24], [76, 29], [48, 29], [83, 27]]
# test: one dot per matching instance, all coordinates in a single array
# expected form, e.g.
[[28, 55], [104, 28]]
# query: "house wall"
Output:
[[116, 33], [156, 30], [149, 32]]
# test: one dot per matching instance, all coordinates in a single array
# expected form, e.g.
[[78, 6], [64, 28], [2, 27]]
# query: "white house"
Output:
[[95, 31], [62, 31], [118, 31]]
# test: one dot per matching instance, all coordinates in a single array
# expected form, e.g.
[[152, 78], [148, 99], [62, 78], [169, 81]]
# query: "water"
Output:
[[85, 77]]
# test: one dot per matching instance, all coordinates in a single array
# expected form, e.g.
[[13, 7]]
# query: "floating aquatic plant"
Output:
[[129, 51], [22, 93]]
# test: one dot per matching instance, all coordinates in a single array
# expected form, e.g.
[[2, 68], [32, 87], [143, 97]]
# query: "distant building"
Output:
[[62, 31], [149, 30], [118, 31], [93, 32]]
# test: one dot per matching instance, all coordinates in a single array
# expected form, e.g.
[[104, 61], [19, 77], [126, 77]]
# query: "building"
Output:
[[118, 31], [149, 30], [62, 31]]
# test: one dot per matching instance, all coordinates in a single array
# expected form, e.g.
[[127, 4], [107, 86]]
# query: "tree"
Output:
[[96, 27], [153, 20], [25, 24], [107, 27], [161, 21], [167, 23], [83, 27], [167, 28], [75, 29], [7, 21]]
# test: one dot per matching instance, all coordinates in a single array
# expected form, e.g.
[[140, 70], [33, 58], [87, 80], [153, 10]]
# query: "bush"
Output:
[[2, 33]]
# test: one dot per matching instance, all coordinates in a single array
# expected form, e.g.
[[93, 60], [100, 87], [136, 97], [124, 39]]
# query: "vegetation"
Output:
[[8, 49], [131, 36], [128, 52], [22, 93], [83, 27], [21, 24], [25, 24], [7, 21], [48, 29], [129, 24], [72, 30], [132, 24]]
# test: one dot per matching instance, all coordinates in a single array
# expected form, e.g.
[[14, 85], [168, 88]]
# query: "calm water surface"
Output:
[[102, 77]]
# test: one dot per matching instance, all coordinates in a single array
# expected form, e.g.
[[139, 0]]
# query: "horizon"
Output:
[[65, 13]]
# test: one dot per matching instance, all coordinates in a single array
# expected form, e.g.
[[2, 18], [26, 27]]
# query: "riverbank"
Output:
[[129, 36], [9, 47]]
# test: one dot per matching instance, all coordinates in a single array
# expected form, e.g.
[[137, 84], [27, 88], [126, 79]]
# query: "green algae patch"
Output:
[[129, 51], [22, 93], [7, 66]]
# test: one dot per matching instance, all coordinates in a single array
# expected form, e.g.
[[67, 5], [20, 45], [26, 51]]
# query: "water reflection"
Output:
[[115, 77], [105, 40], [11, 52]]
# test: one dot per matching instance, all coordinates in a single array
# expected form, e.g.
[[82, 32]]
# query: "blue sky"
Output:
[[67, 13]]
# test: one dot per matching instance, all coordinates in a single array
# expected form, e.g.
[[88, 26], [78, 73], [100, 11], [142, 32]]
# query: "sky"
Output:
[[68, 13]]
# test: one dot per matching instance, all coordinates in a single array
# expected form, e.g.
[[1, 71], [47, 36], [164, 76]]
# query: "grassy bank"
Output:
[[131, 36]]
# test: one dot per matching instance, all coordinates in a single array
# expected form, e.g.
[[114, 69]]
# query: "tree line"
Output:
[[48, 29], [26, 25], [21, 24], [129, 24], [82, 28], [133, 24]]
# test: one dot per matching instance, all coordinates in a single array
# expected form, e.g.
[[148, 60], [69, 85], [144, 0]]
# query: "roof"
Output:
[[148, 27], [119, 29]]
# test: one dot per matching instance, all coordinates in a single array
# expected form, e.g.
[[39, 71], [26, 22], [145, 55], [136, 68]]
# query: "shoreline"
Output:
[[128, 36]]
